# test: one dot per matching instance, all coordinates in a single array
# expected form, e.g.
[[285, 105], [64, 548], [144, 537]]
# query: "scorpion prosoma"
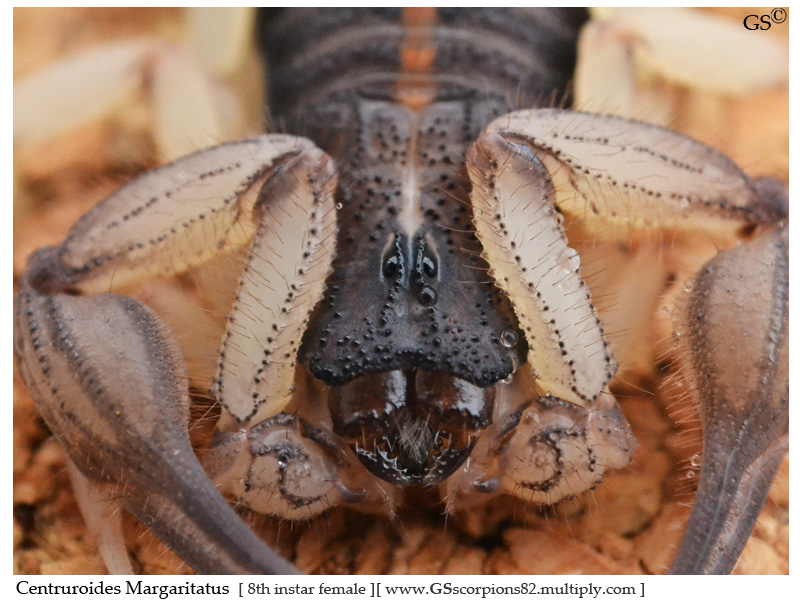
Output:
[[413, 315]]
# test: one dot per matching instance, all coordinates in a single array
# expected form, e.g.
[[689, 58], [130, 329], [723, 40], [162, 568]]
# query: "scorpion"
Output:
[[411, 312]]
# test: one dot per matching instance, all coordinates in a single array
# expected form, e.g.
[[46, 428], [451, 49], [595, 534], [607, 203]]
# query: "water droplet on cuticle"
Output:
[[688, 286], [695, 461], [570, 260], [689, 474], [508, 338], [339, 206]]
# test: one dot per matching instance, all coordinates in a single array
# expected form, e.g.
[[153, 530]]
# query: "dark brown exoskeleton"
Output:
[[409, 331], [410, 299]]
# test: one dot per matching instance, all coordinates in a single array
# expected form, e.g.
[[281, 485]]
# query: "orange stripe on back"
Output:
[[416, 87]]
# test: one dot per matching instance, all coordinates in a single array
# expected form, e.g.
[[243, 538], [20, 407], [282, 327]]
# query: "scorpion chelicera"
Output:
[[411, 312]]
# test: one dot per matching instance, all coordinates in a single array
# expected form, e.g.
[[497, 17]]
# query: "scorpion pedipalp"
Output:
[[131, 435], [733, 342]]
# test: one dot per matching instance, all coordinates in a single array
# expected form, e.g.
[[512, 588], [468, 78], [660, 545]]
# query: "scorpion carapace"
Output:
[[396, 97]]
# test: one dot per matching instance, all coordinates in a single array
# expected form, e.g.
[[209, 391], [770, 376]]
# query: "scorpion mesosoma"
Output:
[[429, 325]]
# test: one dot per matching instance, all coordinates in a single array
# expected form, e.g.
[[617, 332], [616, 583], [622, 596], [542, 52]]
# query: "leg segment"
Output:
[[560, 450], [186, 89], [283, 467], [552, 453], [278, 466], [274, 470], [276, 190], [639, 43]]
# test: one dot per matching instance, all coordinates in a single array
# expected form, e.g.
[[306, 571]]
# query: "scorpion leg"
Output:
[[103, 519], [617, 176], [621, 48], [183, 85], [106, 373]]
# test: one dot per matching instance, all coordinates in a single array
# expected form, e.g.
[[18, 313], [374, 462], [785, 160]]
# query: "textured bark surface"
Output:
[[630, 524]]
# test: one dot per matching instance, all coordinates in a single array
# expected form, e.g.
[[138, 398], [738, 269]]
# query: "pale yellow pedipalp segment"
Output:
[[525, 245], [284, 279], [618, 175], [174, 217]]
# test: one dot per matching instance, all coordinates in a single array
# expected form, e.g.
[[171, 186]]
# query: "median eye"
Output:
[[393, 262], [429, 266], [391, 266], [425, 263]]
